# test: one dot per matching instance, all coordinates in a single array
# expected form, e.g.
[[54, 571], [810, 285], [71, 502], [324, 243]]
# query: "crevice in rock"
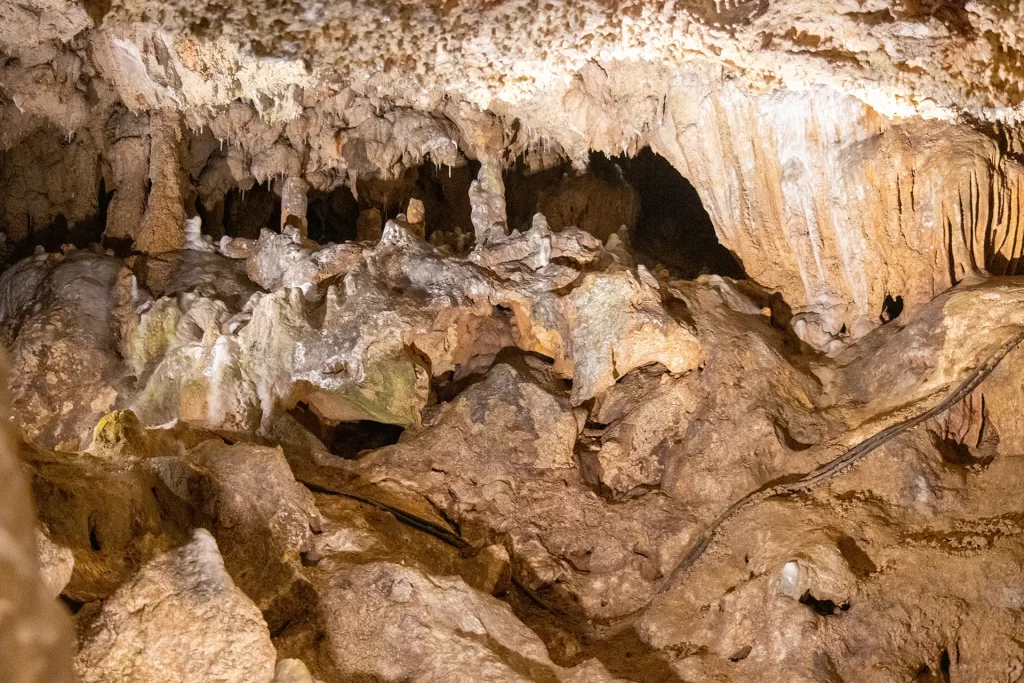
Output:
[[892, 307], [824, 607], [347, 439]]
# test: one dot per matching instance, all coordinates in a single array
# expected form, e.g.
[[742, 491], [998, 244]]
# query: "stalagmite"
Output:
[[129, 170], [163, 225], [415, 214], [487, 199], [294, 204]]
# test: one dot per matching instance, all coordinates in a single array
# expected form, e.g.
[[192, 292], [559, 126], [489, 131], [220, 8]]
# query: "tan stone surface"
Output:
[[180, 619], [492, 454], [35, 634]]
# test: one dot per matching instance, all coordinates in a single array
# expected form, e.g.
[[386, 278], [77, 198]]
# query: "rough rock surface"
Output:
[[35, 642], [180, 619], [878, 156], [512, 341], [441, 627], [60, 318]]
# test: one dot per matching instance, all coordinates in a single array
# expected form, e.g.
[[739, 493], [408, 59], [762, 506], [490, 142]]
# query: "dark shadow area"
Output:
[[662, 212], [959, 454], [347, 439], [525, 190], [673, 227], [891, 308], [860, 562], [82, 234], [249, 211], [823, 607], [332, 216], [444, 191]]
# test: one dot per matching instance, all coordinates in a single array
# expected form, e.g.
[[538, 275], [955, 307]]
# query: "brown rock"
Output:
[[369, 227], [416, 216], [163, 226], [60, 325], [430, 629], [35, 636], [260, 516], [293, 205], [179, 619]]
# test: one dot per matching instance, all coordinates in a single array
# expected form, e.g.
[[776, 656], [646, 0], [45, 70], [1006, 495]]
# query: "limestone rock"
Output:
[[130, 167], [872, 199], [487, 198], [294, 204], [431, 629], [60, 321], [567, 545], [35, 636], [180, 619], [236, 247], [55, 563], [109, 511], [163, 225], [355, 355], [292, 671], [616, 324], [289, 259], [261, 517]]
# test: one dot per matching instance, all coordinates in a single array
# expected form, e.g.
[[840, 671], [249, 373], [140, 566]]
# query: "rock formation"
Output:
[[511, 341]]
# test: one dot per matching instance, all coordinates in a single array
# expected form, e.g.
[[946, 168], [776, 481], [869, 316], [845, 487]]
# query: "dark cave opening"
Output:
[[823, 607], [60, 232], [524, 190], [673, 226], [347, 439], [331, 216], [662, 212], [444, 191], [891, 308], [246, 212]]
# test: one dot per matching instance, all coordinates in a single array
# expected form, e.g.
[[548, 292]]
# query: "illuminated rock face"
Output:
[[418, 340]]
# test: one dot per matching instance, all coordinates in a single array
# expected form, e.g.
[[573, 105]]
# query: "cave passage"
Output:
[[347, 439], [664, 219], [673, 227]]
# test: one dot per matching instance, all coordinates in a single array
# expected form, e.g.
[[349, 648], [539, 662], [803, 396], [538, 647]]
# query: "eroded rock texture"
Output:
[[511, 341]]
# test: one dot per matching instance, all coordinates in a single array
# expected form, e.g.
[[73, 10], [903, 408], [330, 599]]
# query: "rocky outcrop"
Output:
[[179, 619], [60, 320], [765, 428], [575, 503], [437, 627], [822, 196], [35, 634], [354, 332], [838, 208]]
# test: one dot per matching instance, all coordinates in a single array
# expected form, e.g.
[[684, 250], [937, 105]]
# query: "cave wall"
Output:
[[836, 207], [845, 152]]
